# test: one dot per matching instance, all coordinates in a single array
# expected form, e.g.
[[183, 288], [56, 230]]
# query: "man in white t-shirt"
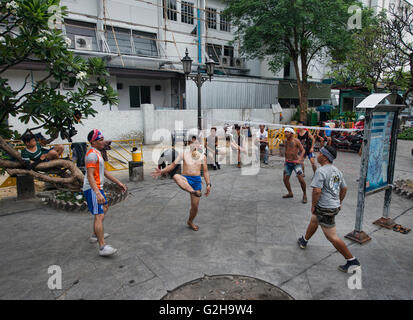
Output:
[[262, 143]]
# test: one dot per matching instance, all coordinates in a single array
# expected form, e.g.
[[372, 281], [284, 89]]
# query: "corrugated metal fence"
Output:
[[233, 93]]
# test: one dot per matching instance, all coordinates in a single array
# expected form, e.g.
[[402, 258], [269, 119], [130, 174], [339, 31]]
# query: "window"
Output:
[[224, 24], [229, 51], [287, 68], [211, 18], [187, 12], [82, 35], [139, 96], [121, 39], [214, 51], [169, 9], [145, 43]]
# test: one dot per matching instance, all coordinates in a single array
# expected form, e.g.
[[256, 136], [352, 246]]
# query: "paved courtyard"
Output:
[[245, 228]]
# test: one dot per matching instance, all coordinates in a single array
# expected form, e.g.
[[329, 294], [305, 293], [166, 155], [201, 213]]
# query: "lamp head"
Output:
[[210, 64], [187, 63]]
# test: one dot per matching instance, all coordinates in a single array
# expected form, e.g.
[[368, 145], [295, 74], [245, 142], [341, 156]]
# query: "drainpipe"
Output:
[[199, 33], [101, 26]]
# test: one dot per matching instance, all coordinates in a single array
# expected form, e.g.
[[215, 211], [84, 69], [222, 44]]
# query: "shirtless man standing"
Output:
[[294, 156], [190, 180]]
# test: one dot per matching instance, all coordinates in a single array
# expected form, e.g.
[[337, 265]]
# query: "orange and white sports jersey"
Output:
[[95, 160]]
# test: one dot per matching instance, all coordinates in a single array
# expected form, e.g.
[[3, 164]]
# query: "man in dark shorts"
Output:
[[329, 190], [294, 156], [307, 140], [211, 146]]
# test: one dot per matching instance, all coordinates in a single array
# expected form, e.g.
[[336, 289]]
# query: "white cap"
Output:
[[290, 130], [362, 117]]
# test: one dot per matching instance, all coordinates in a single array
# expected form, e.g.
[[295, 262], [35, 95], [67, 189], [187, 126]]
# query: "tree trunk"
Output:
[[302, 85], [304, 101], [75, 181]]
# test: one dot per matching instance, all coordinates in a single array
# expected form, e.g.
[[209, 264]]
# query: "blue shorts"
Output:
[[310, 155], [195, 182], [92, 202], [290, 167]]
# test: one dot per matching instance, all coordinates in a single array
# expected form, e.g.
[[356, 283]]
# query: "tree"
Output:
[[26, 36], [365, 63], [399, 38], [292, 30]]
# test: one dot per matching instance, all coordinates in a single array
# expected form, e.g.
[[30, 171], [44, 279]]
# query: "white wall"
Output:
[[112, 120], [158, 98], [160, 123]]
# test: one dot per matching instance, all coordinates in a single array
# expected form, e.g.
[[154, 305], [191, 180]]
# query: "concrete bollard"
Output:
[[25, 187], [135, 171]]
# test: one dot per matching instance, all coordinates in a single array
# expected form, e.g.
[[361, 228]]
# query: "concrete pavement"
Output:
[[245, 228]]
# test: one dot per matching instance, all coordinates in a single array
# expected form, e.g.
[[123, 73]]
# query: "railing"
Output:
[[277, 136]]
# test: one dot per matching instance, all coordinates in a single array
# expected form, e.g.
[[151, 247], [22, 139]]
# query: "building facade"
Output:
[[143, 42]]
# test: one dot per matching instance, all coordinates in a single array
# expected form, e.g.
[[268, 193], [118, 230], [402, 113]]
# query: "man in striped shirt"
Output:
[[93, 189]]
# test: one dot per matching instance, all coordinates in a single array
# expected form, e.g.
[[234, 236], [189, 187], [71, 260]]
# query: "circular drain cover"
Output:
[[227, 287]]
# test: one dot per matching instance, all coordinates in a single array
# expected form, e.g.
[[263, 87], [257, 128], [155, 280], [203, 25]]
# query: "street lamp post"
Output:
[[199, 79]]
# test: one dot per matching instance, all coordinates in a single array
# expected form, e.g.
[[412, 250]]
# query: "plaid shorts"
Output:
[[326, 216]]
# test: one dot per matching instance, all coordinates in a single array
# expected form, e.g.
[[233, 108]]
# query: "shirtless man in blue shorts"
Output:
[[294, 157], [190, 180]]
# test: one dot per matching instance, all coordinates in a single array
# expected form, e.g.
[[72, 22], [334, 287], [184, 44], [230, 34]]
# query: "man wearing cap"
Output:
[[93, 189], [329, 190], [294, 157], [360, 123]]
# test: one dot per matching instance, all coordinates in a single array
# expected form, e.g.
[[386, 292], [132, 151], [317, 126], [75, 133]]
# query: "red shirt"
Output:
[[360, 125]]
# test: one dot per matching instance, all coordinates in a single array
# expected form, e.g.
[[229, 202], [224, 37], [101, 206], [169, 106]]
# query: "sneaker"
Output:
[[350, 266], [94, 239], [302, 243], [107, 251]]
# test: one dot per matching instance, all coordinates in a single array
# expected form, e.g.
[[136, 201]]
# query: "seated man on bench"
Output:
[[36, 153]]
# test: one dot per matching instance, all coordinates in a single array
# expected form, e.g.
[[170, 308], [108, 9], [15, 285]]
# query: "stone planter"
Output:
[[113, 194]]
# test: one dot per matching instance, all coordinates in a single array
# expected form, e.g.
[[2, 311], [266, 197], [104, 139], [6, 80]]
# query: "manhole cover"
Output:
[[227, 287]]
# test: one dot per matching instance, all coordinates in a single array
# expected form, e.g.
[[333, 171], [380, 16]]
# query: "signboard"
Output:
[[379, 154]]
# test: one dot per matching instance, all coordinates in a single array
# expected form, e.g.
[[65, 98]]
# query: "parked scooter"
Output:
[[349, 143]]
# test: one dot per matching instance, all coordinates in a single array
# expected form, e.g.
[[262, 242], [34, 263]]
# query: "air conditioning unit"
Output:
[[225, 61], [83, 43], [239, 63]]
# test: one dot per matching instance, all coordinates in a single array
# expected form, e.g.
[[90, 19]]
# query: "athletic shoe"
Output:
[[107, 251], [302, 243], [94, 239], [350, 266]]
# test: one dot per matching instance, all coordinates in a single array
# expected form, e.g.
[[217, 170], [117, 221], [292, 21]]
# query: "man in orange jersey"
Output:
[[93, 189]]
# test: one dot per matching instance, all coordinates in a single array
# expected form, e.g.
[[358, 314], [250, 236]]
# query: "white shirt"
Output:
[[262, 135]]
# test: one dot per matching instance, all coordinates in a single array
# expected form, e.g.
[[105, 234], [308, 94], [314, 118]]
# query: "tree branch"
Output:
[[43, 177], [14, 153], [15, 63]]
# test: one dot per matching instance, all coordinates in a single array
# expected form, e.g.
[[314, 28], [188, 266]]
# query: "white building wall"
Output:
[[158, 98]]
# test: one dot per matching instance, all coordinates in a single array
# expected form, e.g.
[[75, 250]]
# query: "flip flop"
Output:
[[404, 230], [288, 196], [304, 201], [397, 228]]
